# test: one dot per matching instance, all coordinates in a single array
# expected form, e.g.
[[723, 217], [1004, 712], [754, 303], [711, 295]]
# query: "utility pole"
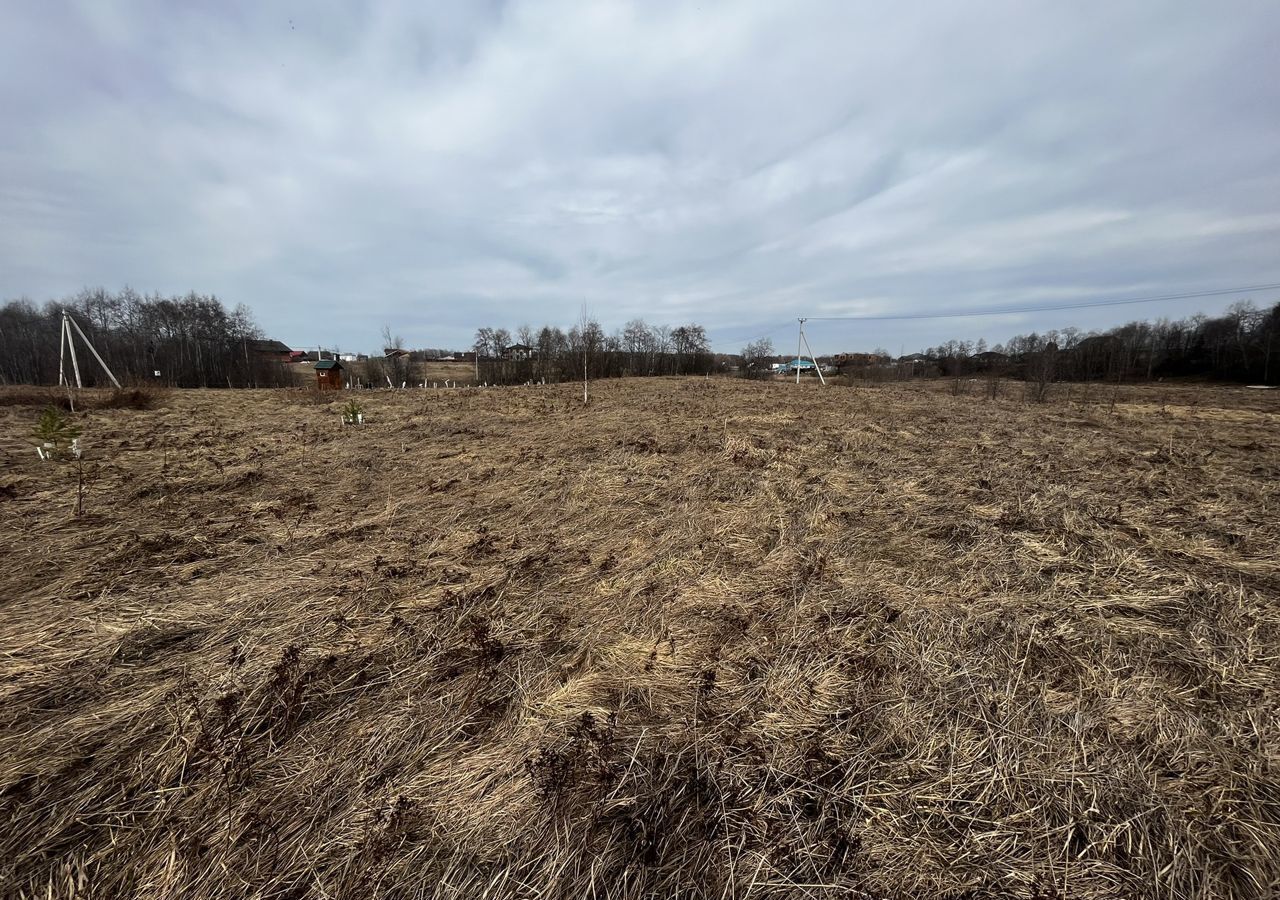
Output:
[[68, 342], [799, 339], [62, 352], [805, 341], [75, 363]]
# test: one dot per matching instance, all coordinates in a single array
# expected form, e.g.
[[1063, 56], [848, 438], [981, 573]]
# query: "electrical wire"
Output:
[[783, 328], [1097, 304]]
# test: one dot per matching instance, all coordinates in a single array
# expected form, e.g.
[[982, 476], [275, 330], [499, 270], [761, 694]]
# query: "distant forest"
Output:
[[556, 355], [191, 340], [1242, 344]]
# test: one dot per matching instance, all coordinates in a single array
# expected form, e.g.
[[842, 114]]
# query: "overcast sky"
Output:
[[440, 166]]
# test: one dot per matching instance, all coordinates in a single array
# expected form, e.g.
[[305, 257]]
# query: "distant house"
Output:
[[296, 356], [329, 375], [795, 365], [394, 353], [990, 359], [859, 359], [274, 350], [517, 351]]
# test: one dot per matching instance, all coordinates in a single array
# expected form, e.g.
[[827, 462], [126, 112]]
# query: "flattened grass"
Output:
[[698, 638]]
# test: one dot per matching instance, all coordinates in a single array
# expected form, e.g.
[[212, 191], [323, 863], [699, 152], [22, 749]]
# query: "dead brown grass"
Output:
[[141, 397], [698, 639]]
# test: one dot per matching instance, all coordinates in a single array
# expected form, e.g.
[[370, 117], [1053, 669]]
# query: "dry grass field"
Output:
[[695, 639], [463, 373]]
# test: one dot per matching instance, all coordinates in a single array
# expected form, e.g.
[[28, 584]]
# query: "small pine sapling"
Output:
[[352, 413], [56, 435], [59, 437]]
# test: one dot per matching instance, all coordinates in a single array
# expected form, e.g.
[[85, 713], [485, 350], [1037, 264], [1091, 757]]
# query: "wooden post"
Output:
[[816, 367], [799, 338], [62, 354], [75, 363]]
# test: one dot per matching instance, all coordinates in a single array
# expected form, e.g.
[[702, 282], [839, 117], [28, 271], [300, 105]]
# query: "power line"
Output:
[[780, 329], [1028, 309], [1096, 304]]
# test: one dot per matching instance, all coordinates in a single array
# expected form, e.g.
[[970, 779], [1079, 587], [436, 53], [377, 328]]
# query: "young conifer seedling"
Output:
[[352, 413], [57, 437]]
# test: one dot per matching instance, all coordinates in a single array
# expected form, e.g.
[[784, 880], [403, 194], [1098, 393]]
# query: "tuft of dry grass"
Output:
[[140, 397], [697, 639], [31, 395]]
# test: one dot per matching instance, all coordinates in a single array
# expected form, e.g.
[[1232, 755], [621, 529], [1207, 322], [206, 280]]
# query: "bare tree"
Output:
[[756, 358], [586, 340], [638, 341], [395, 358], [1043, 367], [501, 341]]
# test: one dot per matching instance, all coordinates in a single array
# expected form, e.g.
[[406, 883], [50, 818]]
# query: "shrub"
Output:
[[130, 398]]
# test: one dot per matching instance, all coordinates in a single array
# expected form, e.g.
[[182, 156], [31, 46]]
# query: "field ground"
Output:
[[464, 373], [698, 638]]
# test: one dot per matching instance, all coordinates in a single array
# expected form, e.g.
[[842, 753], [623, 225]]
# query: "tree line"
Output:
[[1242, 344], [191, 340], [194, 340], [587, 350]]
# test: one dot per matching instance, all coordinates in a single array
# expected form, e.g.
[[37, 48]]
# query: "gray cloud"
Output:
[[442, 166]]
